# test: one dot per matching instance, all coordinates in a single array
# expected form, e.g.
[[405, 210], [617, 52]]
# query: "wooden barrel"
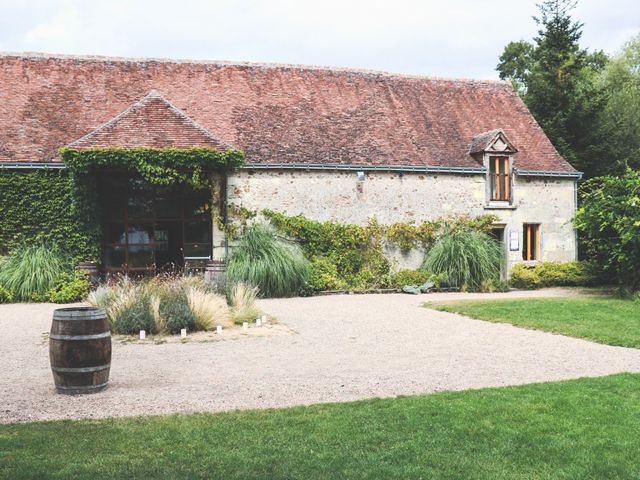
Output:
[[80, 349], [214, 273]]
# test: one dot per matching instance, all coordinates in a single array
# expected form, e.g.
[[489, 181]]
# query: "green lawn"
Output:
[[604, 320], [579, 429]]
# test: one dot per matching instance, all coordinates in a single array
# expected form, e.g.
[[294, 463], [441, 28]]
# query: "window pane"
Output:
[[168, 207], [197, 203], [115, 233], [114, 196], [197, 231], [140, 256], [197, 250], [114, 257], [140, 233]]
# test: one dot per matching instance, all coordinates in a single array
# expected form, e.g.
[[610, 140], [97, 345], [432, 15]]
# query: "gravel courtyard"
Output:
[[340, 348]]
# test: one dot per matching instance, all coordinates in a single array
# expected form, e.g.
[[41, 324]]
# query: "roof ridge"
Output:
[[247, 64], [141, 103]]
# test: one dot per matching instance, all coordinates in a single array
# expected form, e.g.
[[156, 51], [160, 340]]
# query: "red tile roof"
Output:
[[275, 113], [151, 122]]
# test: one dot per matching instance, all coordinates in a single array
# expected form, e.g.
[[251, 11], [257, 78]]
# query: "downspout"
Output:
[[575, 210], [225, 214]]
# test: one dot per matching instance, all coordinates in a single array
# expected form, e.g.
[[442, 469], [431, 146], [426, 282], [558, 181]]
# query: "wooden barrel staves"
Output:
[[80, 350]]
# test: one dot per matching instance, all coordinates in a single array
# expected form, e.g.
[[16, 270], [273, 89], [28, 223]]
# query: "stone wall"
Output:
[[394, 197]]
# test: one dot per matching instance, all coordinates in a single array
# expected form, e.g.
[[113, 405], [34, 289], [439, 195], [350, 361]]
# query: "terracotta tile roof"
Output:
[[150, 122], [275, 113], [480, 143]]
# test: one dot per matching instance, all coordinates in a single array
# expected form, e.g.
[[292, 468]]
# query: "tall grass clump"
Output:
[[466, 258], [208, 309], [30, 271], [273, 264], [243, 303]]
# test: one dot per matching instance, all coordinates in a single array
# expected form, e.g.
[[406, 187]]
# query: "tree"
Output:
[[556, 79], [619, 120], [609, 219]]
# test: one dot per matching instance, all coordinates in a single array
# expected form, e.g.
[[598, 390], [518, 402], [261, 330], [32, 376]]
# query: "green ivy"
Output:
[[39, 206], [352, 256], [158, 166]]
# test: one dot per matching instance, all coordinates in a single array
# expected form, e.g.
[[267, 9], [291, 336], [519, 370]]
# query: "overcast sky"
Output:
[[455, 38]]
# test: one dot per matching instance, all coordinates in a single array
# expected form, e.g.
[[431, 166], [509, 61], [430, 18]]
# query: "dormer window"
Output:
[[500, 179], [495, 151]]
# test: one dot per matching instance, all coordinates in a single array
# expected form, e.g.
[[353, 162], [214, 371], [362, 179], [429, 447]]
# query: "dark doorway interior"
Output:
[[498, 232], [151, 228]]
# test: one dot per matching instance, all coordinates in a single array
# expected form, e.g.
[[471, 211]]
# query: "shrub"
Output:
[[552, 274], [174, 309], [323, 275], [407, 277], [128, 305], [243, 303], [466, 258], [134, 316], [273, 264], [5, 295], [30, 271], [208, 309], [69, 288], [609, 220]]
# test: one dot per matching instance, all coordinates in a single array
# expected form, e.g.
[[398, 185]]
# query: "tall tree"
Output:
[[619, 120], [556, 80]]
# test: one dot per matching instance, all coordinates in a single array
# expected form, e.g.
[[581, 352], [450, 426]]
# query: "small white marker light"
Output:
[[258, 322], [183, 333], [245, 325], [143, 334], [219, 329]]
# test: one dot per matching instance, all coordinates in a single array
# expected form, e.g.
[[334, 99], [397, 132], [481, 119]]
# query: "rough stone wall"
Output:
[[394, 197]]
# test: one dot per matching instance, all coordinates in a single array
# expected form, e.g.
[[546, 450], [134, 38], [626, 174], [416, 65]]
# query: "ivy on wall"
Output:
[[158, 166], [39, 205], [62, 206], [353, 256], [192, 166]]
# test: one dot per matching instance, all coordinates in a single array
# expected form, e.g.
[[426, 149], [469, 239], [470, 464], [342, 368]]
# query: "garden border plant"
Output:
[[348, 256]]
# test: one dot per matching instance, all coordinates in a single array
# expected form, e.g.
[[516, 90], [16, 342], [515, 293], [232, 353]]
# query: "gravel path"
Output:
[[344, 348]]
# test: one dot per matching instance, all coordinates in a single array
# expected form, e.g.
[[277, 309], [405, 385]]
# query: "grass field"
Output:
[[604, 320], [579, 429]]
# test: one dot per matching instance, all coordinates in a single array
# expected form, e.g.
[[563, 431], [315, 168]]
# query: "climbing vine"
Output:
[[40, 206], [353, 256], [158, 166]]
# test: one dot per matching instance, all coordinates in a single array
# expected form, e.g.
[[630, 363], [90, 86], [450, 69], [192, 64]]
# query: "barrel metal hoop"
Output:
[[71, 314], [80, 369], [80, 337], [83, 387]]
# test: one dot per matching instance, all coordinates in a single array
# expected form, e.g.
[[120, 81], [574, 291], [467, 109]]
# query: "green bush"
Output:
[[273, 264], [609, 220], [5, 295], [323, 275], [466, 258], [30, 271], [552, 274], [407, 277], [174, 308], [69, 288], [358, 251], [134, 317]]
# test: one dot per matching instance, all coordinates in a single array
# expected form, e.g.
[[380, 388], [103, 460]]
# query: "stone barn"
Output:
[[328, 143]]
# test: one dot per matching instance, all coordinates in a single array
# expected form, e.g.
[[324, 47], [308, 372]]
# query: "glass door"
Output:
[[149, 228]]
